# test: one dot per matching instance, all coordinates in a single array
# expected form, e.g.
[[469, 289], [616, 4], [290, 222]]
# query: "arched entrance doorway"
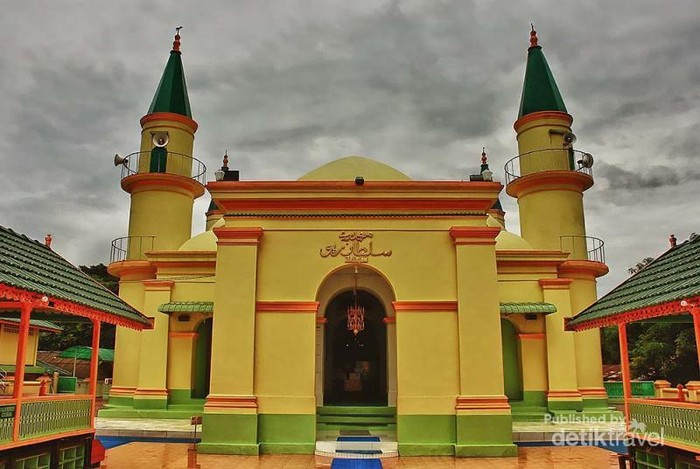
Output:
[[355, 365], [377, 344]]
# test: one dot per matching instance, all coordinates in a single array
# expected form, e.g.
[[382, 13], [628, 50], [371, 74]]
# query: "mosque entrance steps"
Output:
[[378, 419], [353, 445]]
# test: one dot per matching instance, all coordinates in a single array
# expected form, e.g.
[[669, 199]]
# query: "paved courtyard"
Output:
[[176, 455]]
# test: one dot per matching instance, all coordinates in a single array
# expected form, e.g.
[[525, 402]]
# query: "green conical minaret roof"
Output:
[[171, 95], [540, 92]]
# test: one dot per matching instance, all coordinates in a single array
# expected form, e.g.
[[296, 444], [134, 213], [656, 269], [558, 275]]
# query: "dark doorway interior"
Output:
[[355, 365], [202, 360]]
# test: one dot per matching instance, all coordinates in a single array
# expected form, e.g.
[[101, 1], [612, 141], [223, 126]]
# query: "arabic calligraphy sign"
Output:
[[354, 246]]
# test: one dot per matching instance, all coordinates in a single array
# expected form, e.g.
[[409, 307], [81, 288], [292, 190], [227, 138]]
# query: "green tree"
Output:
[[80, 333]]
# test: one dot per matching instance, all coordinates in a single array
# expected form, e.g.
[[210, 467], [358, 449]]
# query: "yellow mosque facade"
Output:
[[356, 298]]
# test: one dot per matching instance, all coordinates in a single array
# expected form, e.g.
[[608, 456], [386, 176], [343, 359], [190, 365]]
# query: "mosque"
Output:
[[356, 299]]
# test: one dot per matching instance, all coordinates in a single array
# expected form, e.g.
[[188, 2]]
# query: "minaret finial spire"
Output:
[[483, 155], [176, 42], [225, 161], [533, 36]]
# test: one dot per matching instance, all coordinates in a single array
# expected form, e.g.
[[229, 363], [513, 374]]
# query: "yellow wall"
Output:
[[8, 345], [284, 362], [164, 214], [589, 360], [127, 347], [546, 215], [428, 365]]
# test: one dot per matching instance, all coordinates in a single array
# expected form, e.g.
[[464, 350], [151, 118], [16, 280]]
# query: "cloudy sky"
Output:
[[286, 86]]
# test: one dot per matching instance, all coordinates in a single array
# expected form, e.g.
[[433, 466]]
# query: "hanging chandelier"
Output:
[[356, 313]]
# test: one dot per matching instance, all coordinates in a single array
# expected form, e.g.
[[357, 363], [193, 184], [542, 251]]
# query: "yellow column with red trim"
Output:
[[152, 392], [563, 395], [127, 343], [589, 358], [230, 419], [484, 421]]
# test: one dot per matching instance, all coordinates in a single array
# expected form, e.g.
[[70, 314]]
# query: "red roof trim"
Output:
[[68, 307], [670, 308]]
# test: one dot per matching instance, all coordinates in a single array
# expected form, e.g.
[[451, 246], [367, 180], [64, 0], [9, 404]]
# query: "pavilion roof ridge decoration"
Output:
[[27, 265], [671, 277]]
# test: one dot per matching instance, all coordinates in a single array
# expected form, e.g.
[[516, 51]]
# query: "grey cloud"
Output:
[[420, 85], [641, 178]]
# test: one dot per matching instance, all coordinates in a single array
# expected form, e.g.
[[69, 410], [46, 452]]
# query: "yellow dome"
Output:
[[346, 169], [203, 241], [507, 241]]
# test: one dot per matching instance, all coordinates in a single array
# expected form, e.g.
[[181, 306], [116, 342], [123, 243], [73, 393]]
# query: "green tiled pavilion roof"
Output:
[[83, 352], [528, 308], [673, 276], [36, 323], [29, 265], [187, 307], [171, 95], [540, 91]]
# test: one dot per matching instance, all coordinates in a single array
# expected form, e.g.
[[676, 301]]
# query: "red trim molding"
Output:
[[555, 283], [562, 180], [482, 403], [227, 236], [123, 391], [389, 320], [132, 270], [286, 307], [583, 269], [170, 116], [231, 402], [68, 307], [53, 436], [533, 336], [666, 309], [593, 393], [158, 285], [352, 204], [167, 182], [425, 306], [469, 235], [321, 320], [183, 335], [542, 115], [564, 394], [151, 392]]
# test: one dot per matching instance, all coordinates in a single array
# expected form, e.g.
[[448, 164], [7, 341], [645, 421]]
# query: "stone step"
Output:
[[357, 449]]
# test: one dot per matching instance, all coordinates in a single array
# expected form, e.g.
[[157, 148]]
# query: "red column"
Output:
[[20, 361], [696, 322], [625, 362], [94, 360]]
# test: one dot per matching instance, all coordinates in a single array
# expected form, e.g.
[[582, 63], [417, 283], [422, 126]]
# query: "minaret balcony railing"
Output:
[[548, 159], [584, 247], [164, 161], [131, 248]]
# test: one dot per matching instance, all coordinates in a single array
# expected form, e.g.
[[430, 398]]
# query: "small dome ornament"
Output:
[[486, 173], [176, 42], [533, 36]]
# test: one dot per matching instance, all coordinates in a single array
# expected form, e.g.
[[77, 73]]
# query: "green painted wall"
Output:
[[286, 433], [485, 436], [424, 435], [229, 434]]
